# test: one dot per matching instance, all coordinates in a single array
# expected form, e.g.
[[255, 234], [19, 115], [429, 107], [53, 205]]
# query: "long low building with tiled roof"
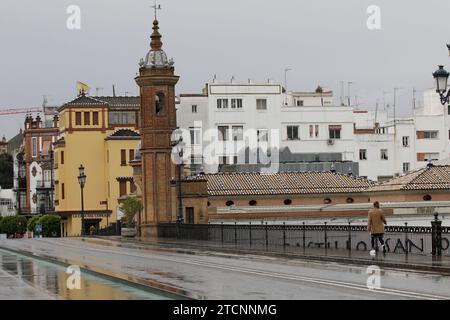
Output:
[[298, 195], [286, 183], [429, 178]]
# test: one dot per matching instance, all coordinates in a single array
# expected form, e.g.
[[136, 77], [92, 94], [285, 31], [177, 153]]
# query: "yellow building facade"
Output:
[[100, 133]]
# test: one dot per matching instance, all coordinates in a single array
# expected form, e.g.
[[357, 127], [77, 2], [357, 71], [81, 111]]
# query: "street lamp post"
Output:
[[82, 182], [441, 77], [179, 145]]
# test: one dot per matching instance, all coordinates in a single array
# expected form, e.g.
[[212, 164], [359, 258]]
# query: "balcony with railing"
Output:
[[44, 184]]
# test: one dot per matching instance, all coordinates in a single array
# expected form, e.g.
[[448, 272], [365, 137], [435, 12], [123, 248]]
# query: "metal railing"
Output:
[[44, 184], [398, 239]]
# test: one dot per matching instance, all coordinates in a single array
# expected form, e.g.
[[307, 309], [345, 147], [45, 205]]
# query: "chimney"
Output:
[[205, 89], [38, 121]]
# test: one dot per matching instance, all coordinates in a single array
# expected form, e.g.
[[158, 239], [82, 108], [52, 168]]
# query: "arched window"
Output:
[[160, 103], [287, 202], [427, 198], [252, 203], [229, 203], [350, 200], [209, 204], [327, 201]]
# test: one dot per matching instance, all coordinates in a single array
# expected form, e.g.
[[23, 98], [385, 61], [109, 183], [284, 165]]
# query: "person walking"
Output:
[[375, 225]]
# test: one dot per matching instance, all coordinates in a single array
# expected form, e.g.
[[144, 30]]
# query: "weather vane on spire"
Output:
[[156, 7]]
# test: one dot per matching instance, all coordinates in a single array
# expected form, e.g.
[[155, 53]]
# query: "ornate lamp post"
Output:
[[178, 146], [82, 182], [441, 78]]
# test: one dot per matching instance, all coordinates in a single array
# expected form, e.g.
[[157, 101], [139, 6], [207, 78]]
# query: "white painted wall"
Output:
[[316, 110]]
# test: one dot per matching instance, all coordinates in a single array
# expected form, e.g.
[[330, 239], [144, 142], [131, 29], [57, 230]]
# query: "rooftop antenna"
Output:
[[349, 84], [44, 101], [285, 85], [414, 99], [376, 113], [342, 92], [156, 7], [384, 100]]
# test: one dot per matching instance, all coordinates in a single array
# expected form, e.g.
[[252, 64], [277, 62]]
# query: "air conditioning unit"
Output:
[[330, 142]]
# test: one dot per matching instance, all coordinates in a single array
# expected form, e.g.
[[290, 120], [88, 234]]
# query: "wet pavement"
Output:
[[413, 261], [24, 278], [202, 274]]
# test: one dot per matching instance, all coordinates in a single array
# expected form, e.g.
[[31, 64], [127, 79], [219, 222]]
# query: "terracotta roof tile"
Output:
[[286, 183], [433, 178]]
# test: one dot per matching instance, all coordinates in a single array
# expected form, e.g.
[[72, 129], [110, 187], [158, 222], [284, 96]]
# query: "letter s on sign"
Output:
[[374, 20]]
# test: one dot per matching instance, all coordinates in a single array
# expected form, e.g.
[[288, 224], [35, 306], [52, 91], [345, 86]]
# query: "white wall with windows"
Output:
[[7, 202], [225, 114]]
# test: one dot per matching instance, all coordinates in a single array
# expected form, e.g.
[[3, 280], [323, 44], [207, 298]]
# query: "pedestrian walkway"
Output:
[[416, 262]]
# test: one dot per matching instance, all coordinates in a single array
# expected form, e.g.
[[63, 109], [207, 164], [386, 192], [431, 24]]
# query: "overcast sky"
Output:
[[323, 41]]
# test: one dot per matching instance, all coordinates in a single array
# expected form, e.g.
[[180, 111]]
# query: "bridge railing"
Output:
[[398, 239]]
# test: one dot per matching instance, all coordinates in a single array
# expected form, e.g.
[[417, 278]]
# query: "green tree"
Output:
[[13, 224], [6, 171], [51, 225], [33, 222], [130, 207]]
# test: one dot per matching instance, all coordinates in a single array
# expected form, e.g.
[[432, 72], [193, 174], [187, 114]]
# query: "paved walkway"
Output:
[[411, 261]]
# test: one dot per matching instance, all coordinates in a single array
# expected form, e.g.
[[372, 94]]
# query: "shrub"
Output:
[[13, 224], [130, 207], [33, 222], [1, 224], [51, 225]]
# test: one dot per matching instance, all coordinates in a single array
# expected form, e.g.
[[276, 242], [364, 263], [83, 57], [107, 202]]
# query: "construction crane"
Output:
[[11, 111]]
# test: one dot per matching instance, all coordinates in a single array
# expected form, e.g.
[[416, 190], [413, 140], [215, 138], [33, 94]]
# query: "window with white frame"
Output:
[[405, 141], [223, 133], [292, 133], [34, 147], [406, 167], [362, 154], [222, 103], [236, 103], [263, 135], [431, 156], [6, 203], [223, 160], [194, 108], [261, 104], [238, 133], [300, 103], [195, 136], [313, 131], [384, 154], [335, 131], [430, 134]]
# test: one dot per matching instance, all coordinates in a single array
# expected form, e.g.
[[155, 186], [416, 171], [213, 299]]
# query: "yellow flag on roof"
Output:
[[82, 88]]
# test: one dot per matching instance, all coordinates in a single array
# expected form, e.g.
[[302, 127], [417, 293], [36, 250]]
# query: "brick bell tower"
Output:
[[157, 123]]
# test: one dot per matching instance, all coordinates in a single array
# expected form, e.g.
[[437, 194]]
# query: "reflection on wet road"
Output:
[[210, 274], [24, 278]]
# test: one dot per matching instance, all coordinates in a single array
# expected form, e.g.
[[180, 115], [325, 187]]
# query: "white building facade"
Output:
[[293, 129]]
